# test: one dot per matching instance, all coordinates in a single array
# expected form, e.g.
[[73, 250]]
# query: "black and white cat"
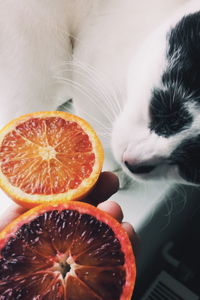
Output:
[[160, 124], [146, 100]]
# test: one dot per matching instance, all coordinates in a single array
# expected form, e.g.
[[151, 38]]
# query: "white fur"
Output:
[[35, 43]]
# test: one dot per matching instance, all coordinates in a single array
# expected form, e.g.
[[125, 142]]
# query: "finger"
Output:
[[106, 186], [10, 214], [113, 209], [134, 239]]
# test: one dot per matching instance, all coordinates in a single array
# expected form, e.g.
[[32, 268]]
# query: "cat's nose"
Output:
[[139, 168]]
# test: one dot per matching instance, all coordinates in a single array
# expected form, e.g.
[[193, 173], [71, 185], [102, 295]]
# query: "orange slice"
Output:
[[68, 251], [48, 156]]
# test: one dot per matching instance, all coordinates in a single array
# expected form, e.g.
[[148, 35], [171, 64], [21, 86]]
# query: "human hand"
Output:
[[105, 187]]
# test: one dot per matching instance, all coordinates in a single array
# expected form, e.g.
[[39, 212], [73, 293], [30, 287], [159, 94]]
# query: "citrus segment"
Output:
[[48, 153], [76, 289], [66, 251]]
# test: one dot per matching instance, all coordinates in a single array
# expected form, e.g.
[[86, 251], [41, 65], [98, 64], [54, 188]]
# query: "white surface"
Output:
[[139, 202]]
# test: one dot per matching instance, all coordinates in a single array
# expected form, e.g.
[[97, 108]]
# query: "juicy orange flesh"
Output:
[[46, 156], [63, 255]]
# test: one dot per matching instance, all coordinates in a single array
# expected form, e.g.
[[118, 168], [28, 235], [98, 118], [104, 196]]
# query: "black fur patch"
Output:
[[187, 157], [167, 112], [184, 51], [181, 79]]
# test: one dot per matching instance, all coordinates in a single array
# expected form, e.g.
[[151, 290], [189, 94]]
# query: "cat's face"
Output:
[[157, 136]]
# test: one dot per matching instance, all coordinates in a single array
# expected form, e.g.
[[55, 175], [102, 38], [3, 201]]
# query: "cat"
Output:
[[160, 122], [89, 51], [159, 125]]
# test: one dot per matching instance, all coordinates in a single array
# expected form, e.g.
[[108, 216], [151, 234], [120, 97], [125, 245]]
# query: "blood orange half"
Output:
[[48, 156], [68, 251]]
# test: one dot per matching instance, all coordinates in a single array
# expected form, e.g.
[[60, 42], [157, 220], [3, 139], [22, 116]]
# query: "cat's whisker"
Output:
[[169, 206], [114, 99], [81, 88], [72, 83], [100, 78], [183, 199], [104, 96], [97, 73], [68, 70], [112, 102], [91, 70]]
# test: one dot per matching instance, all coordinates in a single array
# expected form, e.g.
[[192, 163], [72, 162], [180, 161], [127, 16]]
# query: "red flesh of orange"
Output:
[[68, 251]]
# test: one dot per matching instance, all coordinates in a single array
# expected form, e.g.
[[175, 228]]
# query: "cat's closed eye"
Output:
[[168, 112]]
